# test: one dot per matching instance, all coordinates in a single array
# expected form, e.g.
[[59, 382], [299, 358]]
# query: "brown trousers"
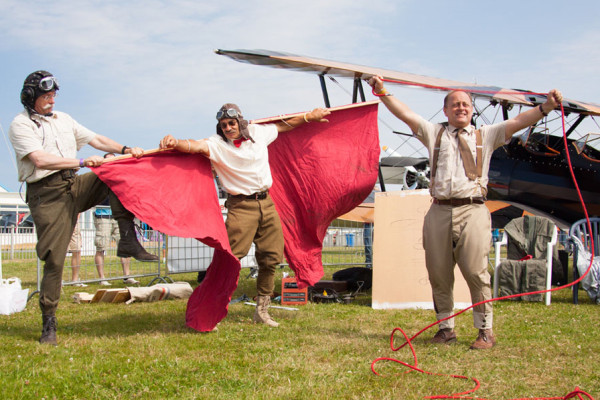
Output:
[[459, 235], [55, 203], [250, 220]]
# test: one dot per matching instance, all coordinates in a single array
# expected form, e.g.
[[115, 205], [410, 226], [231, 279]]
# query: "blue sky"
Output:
[[137, 70]]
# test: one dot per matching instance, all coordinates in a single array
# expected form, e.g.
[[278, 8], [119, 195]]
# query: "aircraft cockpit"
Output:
[[534, 140], [587, 146]]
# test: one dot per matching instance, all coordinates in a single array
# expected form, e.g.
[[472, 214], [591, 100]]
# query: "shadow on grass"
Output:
[[106, 320], [109, 324]]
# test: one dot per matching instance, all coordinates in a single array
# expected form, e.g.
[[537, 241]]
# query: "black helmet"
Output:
[[35, 85]]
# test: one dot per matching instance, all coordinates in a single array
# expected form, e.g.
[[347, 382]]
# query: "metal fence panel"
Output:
[[346, 243], [190, 255], [17, 251], [92, 262]]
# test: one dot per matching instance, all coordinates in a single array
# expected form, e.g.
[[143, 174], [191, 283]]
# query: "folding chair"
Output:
[[530, 242]]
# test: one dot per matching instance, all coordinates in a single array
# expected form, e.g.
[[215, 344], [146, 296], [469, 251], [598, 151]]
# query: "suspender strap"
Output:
[[478, 154], [478, 151], [436, 153]]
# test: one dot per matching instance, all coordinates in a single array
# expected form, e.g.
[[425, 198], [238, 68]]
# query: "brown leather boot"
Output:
[[485, 340], [48, 330], [128, 244], [261, 315], [444, 336]]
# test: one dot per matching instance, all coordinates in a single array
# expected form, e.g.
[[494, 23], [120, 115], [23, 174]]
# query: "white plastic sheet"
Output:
[[591, 282], [13, 299]]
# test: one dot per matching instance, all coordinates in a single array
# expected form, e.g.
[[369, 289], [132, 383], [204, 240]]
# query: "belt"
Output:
[[63, 174], [67, 173], [253, 196], [459, 202]]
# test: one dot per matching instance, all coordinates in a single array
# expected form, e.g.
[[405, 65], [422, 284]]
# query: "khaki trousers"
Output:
[[55, 204], [459, 235], [250, 220]]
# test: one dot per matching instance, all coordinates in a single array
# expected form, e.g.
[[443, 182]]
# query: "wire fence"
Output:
[[346, 243], [85, 263], [18, 243], [94, 265]]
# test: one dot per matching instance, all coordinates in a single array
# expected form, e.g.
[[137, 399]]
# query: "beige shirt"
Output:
[[58, 134], [245, 169], [451, 180]]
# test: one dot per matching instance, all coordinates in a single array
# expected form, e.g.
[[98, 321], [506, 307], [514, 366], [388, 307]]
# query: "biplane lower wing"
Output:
[[354, 71]]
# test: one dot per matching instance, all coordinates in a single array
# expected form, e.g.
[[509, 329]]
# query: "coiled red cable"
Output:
[[408, 341]]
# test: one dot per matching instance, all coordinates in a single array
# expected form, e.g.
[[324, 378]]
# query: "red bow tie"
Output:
[[238, 142]]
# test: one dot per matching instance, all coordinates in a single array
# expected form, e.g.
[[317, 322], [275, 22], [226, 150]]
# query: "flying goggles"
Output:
[[229, 113], [48, 83]]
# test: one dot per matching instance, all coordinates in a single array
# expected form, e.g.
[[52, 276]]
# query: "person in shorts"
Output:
[[75, 251], [107, 231]]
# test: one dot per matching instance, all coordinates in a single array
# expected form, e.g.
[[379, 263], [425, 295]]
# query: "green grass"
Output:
[[321, 351]]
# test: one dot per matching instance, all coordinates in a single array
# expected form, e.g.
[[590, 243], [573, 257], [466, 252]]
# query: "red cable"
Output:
[[577, 392]]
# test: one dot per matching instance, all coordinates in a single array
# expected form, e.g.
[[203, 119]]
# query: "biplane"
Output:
[[530, 172]]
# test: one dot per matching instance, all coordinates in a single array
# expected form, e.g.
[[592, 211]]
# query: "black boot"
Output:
[[128, 244], [48, 330]]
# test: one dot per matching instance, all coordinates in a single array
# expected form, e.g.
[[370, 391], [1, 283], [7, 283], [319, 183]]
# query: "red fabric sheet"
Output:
[[320, 171], [175, 194]]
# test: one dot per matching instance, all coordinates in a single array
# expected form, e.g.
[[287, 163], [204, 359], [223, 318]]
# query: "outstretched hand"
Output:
[[318, 114], [168, 142], [137, 152]]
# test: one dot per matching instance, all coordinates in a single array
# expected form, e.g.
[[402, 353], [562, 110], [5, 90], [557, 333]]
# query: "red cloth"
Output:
[[320, 171], [175, 194]]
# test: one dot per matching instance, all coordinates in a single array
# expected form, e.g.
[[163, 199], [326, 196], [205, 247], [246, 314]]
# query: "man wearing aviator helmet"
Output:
[[46, 143], [239, 155]]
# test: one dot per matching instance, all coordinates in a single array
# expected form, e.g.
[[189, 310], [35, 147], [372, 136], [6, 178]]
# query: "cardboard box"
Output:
[[400, 278]]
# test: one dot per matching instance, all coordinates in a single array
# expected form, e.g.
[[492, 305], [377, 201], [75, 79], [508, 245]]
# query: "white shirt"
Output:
[[58, 134], [245, 169], [451, 180]]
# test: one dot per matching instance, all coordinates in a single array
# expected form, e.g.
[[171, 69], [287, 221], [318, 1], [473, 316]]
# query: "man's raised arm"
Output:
[[396, 107]]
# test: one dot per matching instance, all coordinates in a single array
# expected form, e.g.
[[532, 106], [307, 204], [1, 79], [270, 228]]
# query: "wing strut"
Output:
[[505, 108], [576, 124], [358, 88], [324, 89]]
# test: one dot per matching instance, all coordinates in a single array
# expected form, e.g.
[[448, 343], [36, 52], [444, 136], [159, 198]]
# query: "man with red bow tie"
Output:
[[239, 155]]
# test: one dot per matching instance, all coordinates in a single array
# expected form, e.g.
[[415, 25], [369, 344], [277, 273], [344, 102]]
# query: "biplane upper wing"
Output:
[[346, 70]]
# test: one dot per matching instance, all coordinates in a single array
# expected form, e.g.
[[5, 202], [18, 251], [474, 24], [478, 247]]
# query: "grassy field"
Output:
[[321, 351]]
